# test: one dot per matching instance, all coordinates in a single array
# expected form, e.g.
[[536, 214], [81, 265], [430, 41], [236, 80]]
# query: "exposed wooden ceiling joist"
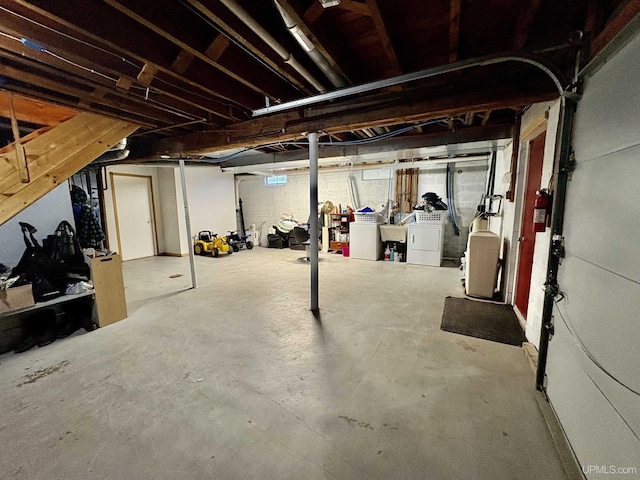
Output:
[[383, 33], [523, 25], [356, 7], [454, 29], [229, 30], [143, 49], [292, 125]]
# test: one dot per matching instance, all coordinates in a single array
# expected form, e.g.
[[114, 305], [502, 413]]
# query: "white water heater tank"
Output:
[[483, 252]]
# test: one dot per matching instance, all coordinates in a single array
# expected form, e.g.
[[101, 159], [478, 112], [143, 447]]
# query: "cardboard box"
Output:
[[109, 287], [16, 298]]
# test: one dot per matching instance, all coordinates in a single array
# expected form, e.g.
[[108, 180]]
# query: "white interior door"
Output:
[[134, 216]]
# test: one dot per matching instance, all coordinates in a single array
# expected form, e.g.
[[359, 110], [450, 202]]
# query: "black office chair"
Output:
[[302, 237]]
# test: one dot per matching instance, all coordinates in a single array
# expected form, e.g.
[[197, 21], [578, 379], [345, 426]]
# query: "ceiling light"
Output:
[[329, 3]]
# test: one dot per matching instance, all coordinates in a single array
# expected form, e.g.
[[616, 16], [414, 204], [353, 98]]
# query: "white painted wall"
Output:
[[211, 204], [211, 195], [45, 214], [263, 203], [171, 209], [600, 275]]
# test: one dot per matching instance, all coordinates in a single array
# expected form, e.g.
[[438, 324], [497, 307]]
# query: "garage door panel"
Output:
[[602, 224], [597, 305], [598, 435], [612, 93]]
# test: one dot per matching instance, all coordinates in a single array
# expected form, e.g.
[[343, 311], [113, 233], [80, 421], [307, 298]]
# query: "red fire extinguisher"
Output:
[[541, 208]]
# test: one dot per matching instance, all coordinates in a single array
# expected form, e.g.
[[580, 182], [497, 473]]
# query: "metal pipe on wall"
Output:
[[313, 217]]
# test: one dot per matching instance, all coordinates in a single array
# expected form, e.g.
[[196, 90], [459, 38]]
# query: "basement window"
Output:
[[275, 180], [376, 174]]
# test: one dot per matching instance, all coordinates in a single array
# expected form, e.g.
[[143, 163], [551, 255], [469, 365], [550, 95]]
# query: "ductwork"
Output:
[[334, 77], [288, 58]]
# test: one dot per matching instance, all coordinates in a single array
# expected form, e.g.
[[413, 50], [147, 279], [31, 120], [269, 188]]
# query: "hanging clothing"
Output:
[[88, 228]]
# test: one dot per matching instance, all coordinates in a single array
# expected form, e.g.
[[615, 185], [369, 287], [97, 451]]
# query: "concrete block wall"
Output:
[[469, 183], [263, 203]]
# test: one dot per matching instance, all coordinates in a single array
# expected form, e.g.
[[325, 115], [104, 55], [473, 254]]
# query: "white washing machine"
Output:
[[364, 241], [424, 244]]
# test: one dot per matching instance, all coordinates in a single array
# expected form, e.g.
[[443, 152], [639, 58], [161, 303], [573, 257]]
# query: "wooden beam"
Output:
[[173, 86], [485, 117], [175, 40], [124, 83], [622, 17], [144, 112], [200, 7], [145, 77], [515, 153], [217, 47], [313, 13], [387, 45], [20, 157], [291, 125], [52, 161], [524, 22], [182, 61], [355, 7], [215, 83], [454, 30]]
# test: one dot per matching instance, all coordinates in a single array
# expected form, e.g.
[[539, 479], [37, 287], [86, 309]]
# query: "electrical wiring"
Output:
[[361, 141], [58, 32], [120, 57]]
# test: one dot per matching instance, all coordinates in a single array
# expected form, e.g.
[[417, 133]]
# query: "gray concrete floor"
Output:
[[238, 380]]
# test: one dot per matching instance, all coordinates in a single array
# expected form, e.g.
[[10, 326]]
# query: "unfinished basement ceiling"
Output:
[[192, 73]]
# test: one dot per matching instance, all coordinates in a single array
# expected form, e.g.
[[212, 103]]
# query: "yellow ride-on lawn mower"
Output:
[[208, 243]]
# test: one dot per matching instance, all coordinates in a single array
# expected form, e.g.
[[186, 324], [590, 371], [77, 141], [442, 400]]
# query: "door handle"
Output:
[[521, 239]]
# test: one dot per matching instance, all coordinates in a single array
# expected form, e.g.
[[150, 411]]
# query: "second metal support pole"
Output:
[[313, 216], [192, 261]]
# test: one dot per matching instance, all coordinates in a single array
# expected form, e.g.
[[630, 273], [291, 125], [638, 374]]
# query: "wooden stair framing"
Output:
[[52, 156]]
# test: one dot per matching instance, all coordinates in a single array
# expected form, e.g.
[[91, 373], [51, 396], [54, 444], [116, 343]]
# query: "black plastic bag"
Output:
[[47, 276], [63, 247]]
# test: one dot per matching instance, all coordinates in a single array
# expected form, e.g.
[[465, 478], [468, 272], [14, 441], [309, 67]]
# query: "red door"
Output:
[[527, 238]]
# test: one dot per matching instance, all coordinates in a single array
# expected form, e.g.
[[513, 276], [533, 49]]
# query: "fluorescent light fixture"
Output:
[[329, 3]]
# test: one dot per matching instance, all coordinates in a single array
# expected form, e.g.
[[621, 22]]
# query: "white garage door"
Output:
[[593, 363]]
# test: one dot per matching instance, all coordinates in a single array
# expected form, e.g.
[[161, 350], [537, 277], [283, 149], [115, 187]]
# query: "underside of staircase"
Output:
[[35, 164]]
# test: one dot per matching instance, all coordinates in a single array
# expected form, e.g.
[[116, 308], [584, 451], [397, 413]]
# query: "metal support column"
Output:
[[192, 262], [313, 216]]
